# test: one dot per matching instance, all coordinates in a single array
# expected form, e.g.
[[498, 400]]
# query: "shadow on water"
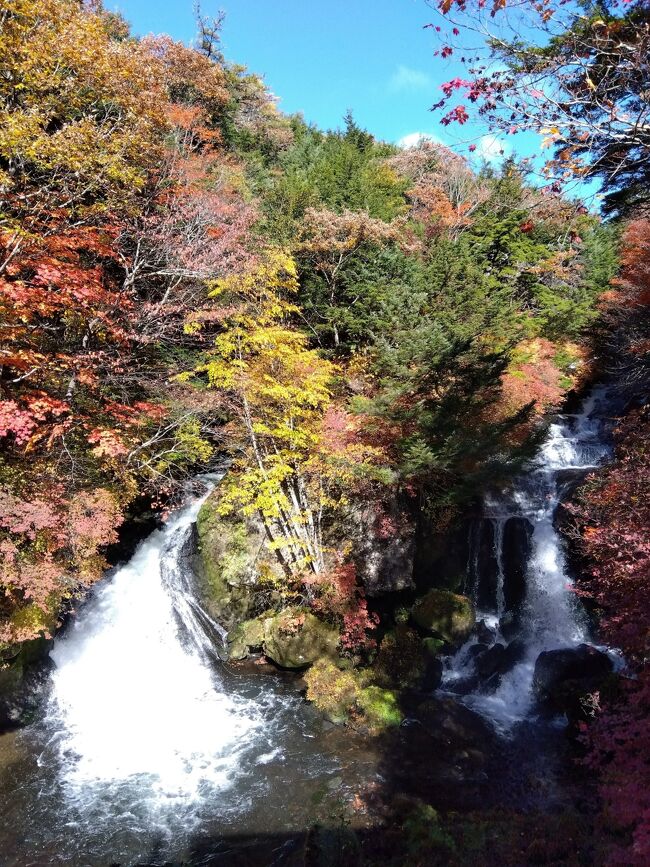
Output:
[[335, 798]]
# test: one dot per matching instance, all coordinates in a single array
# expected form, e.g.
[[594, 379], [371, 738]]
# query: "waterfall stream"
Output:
[[517, 571], [148, 742], [133, 691]]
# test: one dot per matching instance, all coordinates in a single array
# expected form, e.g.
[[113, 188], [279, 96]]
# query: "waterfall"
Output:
[[133, 694], [148, 744], [531, 607]]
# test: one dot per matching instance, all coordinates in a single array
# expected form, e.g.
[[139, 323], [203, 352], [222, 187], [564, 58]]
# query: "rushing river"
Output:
[[149, 748]]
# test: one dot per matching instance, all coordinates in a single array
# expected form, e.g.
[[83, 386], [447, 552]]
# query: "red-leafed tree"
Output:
[[577, 73]]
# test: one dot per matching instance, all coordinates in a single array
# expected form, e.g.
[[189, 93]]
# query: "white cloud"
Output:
[[413, 139], [405, 78], [491, 149]]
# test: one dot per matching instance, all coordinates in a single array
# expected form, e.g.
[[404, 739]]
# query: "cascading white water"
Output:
[[148, 746], [133, 693], [549, 616]]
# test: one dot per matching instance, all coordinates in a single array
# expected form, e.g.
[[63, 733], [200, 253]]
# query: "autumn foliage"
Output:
[[109, 225], [610, 520], [187, 272]]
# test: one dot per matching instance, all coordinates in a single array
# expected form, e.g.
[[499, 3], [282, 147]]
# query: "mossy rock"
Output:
[[334, 691], [295, 638], [402, 658], [446, 614], [380, 707], [245, 637], [232, 564]]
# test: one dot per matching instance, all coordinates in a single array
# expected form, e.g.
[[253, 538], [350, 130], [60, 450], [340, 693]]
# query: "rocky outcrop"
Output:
[[517, 534], [384, 543], [483, 564], [562, 677], [21, 675], [231, 563], [448, 615], [292, 638], [441, 557]]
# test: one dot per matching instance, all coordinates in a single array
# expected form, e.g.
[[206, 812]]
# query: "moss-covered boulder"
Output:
[[380, 708], [334, 690], [402, 658], [446, 614], [346, 695], [232, 564], [295, 638], [246, 636]]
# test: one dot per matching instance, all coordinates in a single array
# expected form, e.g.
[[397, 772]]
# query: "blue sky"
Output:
[[322, 57]]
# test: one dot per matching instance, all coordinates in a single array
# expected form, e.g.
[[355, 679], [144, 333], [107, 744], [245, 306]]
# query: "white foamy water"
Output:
[[550, 615], [149, 750], [134, 696]]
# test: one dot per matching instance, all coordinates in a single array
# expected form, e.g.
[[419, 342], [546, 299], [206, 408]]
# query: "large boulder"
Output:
[[231, 560], [295, 638], [446, 614], [562, 677], [23, 671], [384, 543]]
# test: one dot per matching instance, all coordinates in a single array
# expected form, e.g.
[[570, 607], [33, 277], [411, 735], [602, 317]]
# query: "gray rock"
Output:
[[562, 677], [384, 559]]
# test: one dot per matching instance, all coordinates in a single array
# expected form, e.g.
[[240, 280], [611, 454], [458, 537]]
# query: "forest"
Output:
[[364, 340]]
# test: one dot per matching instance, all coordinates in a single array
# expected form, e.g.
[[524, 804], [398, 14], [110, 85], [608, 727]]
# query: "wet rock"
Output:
[[498, 661], [449, 615], [509, 625], [564, 676], [514, 653], [484, 633], [477, 649], [454, 724], [490, 662], [23, 672], [517, 533], [484, 568], [295, 638]]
